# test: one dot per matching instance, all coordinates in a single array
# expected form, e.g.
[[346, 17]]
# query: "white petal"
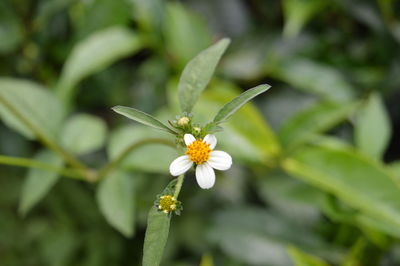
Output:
[[205, 176], [220, 160], [189, 139], [211, 139], [180, 165]]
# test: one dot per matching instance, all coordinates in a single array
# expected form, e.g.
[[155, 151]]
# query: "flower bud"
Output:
[[183, 121], [196, 130]]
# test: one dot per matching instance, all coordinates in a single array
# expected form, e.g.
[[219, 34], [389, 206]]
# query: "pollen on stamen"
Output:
[[199, 151]]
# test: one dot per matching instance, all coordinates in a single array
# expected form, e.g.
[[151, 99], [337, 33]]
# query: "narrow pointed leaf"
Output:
[[115, 196], [39, 182], [198, 73], [230, 108], [141, 117], [156, 237], [157, 231]]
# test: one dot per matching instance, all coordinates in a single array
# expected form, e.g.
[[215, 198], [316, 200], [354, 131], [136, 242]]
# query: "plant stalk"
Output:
[[43, 138], [24, 162], [178, 186]]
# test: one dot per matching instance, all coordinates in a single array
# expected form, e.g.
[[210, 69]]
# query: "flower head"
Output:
[[167, 203], [202, 153]]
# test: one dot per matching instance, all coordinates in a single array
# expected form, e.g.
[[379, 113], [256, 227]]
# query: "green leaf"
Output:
[[142, 117], [156, 237], [257, 140], [259, 237], [361, 183], [185, 32], [395, 168], [291, 197], [94, 54], [115, 196], [83, 133], [372, 129], [301, 258], [298, 12], [39, 182], [34, 104], [315, 78], [317, 119], [230, 108], [153, 158], [198, 73]]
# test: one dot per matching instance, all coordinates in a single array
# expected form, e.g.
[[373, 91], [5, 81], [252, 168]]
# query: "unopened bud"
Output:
[[196, 130], [183, 121]]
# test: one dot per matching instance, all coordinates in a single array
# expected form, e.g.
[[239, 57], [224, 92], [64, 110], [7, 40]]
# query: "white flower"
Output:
[[202, 154]]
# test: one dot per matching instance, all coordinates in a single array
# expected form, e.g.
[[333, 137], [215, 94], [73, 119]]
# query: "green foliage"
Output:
[[11, 32], [258, 237], [142, 158], [94, 54], [185, 33], [358, 181], [317, 119], [156, 237], [198, 73], [142, 117], [26, 106], [315, 174], [157, 230], [84, 133], [372, 130], [303, 259], [298, 12], [247, 127], [39, 182], [115, 196], [230, 108], [315, 78]]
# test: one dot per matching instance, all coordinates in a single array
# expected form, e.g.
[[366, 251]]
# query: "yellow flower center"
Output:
[[198, 151], [167, 203]]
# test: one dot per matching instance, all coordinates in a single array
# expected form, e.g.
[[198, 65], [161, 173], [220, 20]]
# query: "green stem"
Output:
[[24, 162], [114, 163], [178, 186], [43, 138]]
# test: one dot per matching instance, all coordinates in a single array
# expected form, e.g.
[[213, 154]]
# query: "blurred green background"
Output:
[[316, 171]]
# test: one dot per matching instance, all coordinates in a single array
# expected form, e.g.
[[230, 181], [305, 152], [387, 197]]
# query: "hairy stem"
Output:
[[178, 186], [24, 162]]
